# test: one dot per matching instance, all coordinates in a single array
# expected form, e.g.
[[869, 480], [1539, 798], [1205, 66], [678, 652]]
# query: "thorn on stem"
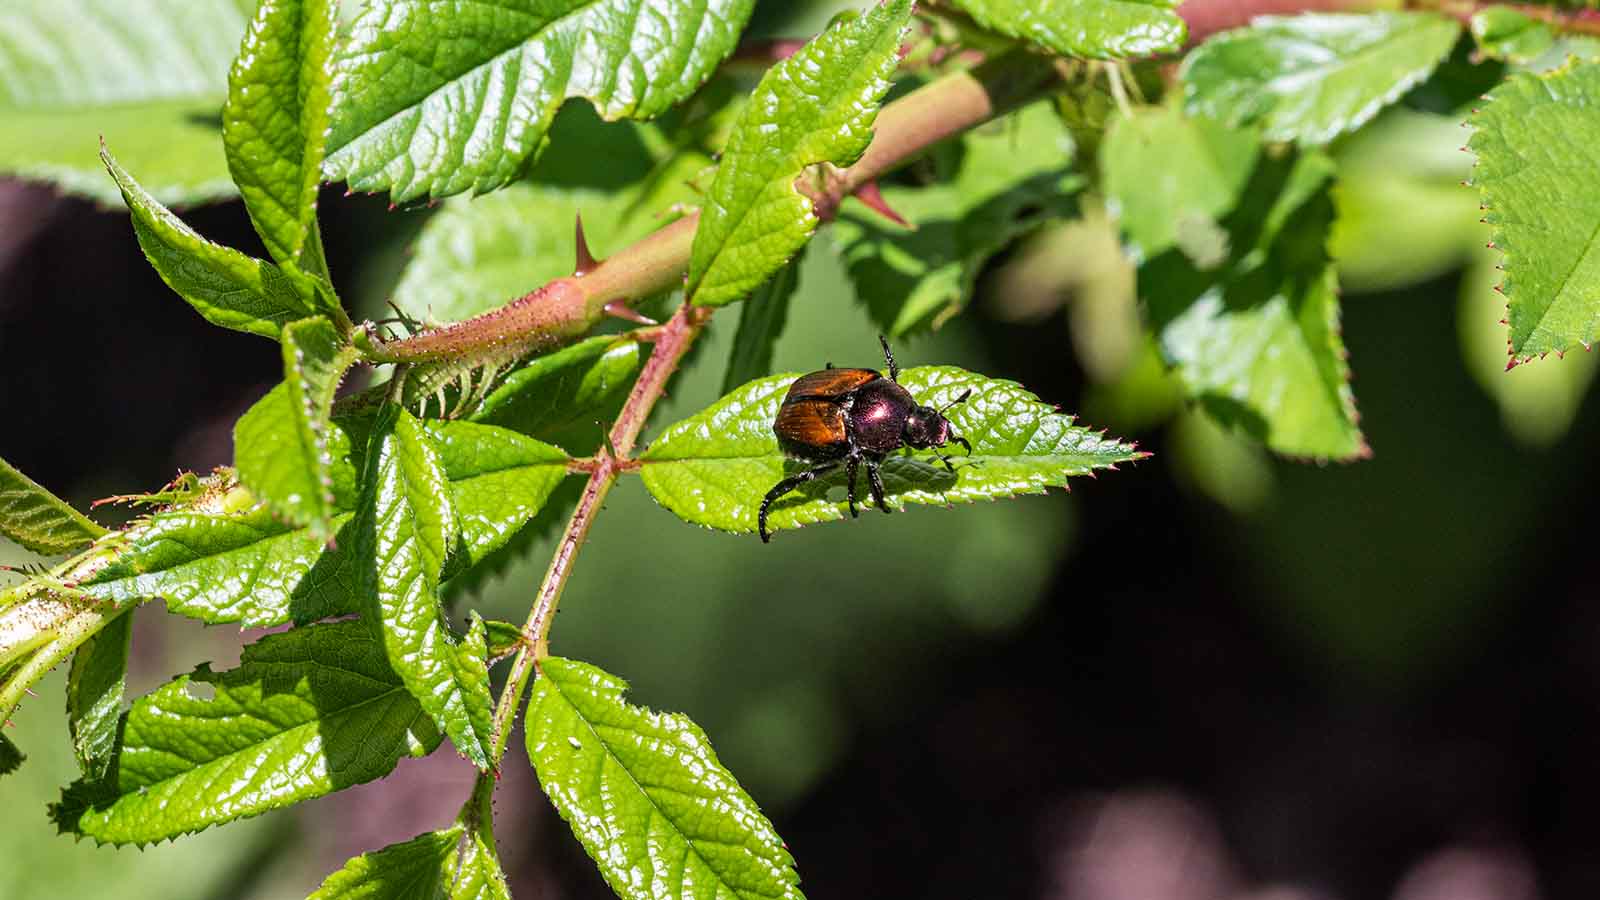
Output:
[[622, 310], [873, 198], [586, 261]]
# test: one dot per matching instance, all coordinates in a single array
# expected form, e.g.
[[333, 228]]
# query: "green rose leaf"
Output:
[[714, 467], [226, 559], [39, 520], [1536, 139], [503, 638], [307, 712], [96, 683], [1315, 76], [815, 107], [1097, 29], [405, 526], [225, 286], [760, 322], [1505, 33], [995, 185], [275, 122], [11, 756], [560, 397], [645, 794], [439, 98], [1169, 180], [1255, 338], [457, 863], [148, 76], [281, 444]]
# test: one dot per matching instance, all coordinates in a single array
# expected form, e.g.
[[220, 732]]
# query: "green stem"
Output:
[[569, 307]]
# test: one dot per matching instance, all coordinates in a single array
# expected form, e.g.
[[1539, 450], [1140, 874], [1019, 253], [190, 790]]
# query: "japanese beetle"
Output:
[[847, 417]]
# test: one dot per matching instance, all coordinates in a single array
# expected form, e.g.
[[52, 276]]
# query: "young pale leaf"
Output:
[[228, 560], [1505, 33], [646, 795], [1255, 338], [996, 185], [1097, 29], [1169, 180], [307, 712], [815, 107], [503, 638], [457, 863], [1313, 77], [1537, 142], [39, 520], [440, 98], [275, 122], [760, 323], [714, 467], [222, 284], [146, 75], [281, 443], [95, 685], [405, 526]]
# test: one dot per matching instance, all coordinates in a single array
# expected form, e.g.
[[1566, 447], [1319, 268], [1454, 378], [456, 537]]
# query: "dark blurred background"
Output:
[[1212, 675]]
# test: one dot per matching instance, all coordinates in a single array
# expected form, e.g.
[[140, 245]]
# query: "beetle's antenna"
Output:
[[894, 370], [961, 399]]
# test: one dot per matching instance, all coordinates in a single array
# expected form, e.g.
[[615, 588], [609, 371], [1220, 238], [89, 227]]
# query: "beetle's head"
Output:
[[926, 427]]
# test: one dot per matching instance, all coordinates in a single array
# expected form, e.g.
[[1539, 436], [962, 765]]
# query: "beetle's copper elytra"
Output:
[[847, 417]]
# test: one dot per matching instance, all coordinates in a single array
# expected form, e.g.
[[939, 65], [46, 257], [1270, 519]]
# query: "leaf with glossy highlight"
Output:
[[1097, 29], [1315, 76], [275, 123], [405, 526], [815, 107], [39, 520], [225, 286], [307, 712], [992, 186], [227, 559], [1255, 339], [437, 98], [457, 863], [714, 467], [146, 75], [647, 796], [281, 444], [96, 683], [1538, 144]]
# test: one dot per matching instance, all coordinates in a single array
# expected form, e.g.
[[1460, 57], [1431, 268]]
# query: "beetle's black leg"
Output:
[[784, 487], [850, 478], [963, 442], [875, 481], [894, 370], [946, 460], [827, 365]]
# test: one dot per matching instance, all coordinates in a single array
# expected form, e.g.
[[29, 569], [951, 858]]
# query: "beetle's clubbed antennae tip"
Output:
[[621, 310], [586, 261]]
